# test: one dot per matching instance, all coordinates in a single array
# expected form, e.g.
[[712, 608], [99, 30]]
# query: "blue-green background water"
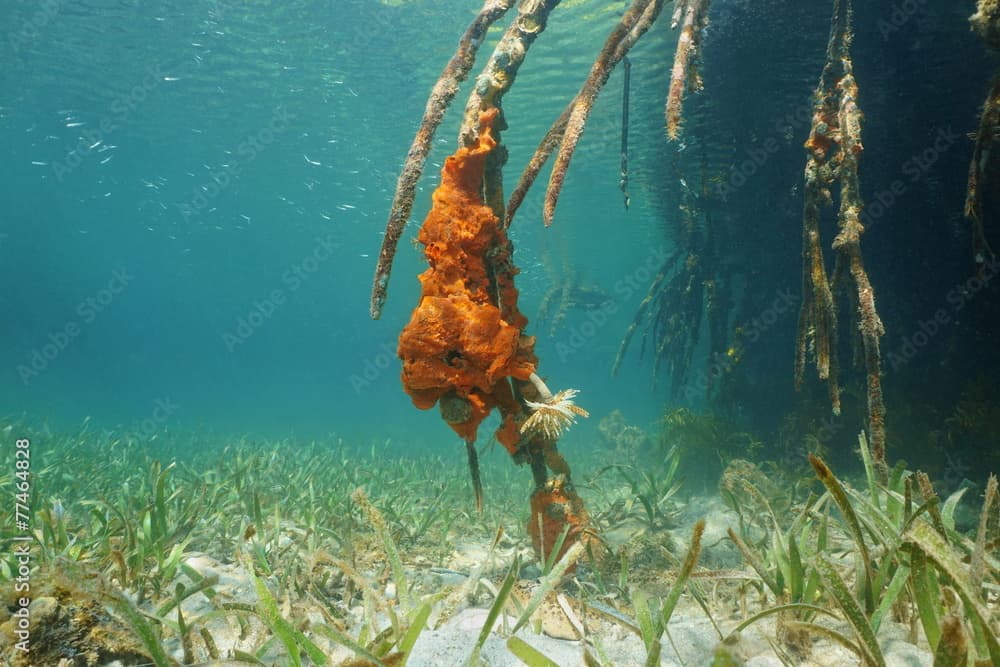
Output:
[[179, 162], [305, 109]]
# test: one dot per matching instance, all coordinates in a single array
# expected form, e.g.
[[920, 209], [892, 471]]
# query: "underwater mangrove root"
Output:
[[556, 507], [676, 332], [464, 348], [440, 99], [626, 87], [679, 297], [460, 347], [833, 150], [817, 327], [673, 310], [497, 78], [477, 482], [684, 74], [989, 130], [566, 131], [636, 21], [986, 23], [501, 69], [651, 298]]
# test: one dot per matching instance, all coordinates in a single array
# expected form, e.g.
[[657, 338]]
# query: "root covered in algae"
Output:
[[69, 624]]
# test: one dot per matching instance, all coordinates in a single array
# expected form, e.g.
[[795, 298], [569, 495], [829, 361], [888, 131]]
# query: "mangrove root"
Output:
[[440, 98], [832, 154]]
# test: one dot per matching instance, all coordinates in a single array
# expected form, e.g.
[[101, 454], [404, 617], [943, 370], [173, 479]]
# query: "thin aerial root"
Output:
[[818, 315], [549, 143], [440, 98], [985, 22], [477, 482], [633, 25], [640, 313], [871, 330], [836, 127], [989, 128], [623, 175], [848, 243]]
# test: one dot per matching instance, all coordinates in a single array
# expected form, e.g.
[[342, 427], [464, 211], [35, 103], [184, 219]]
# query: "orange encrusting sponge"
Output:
[[554, 506], [465, 339]]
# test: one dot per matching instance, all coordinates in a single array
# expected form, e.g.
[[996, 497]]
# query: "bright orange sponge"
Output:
[[465, 338]]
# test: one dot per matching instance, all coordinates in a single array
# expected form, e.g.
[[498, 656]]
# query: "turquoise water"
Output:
[[192, 199], [173, 165], [194, 195]]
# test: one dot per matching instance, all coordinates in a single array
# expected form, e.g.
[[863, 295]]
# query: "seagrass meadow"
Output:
[[366, 333]]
